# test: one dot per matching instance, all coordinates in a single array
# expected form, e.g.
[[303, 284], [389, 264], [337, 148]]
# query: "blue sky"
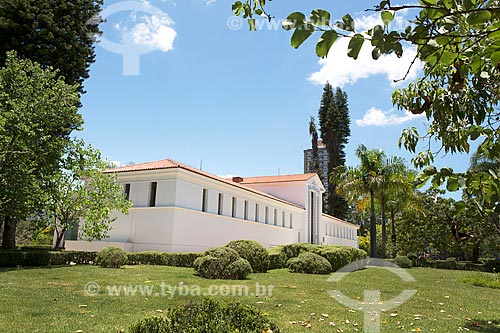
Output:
[[206, 89]]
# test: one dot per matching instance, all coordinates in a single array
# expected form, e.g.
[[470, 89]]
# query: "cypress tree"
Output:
[[313, 131]]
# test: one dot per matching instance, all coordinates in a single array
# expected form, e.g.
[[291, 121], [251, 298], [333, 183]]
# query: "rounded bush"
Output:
[[293, 250], [309, 263], [208, 316], [111, 257], [403, 262], [252, 251], [239, 269], [222, 263]]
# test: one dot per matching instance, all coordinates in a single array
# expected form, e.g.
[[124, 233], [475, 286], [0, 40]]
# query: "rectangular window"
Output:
[[233, 209], [267, 215], [220, 204], [126, 189], [246, 210], [283, 219], [291, 221], [275, 221], [256, 212], [204, 200], [152, 194]]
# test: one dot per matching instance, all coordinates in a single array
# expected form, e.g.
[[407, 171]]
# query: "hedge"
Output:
[[57, 258]]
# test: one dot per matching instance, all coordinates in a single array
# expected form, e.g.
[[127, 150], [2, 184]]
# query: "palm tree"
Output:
[[363, 180], [392, 176]]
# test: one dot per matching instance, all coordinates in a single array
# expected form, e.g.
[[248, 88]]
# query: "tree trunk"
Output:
[[373, 228], [59, 238], [384, 228], [475, 253], [393, 234], [9, 234]]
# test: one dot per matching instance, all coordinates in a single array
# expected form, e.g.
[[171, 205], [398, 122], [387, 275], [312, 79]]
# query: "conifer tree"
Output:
[[334, 123], [313, 131]]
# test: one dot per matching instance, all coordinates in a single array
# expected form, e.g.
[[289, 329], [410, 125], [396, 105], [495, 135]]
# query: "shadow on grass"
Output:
[[481, 325], [8, 269]]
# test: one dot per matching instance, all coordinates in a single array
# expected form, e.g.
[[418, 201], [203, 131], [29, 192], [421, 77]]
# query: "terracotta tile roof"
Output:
[[155, 165], [171, 164], [278, 179]]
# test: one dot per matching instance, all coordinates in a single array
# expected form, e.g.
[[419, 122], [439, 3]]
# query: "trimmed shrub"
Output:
[[252, 251], [277, 260], [310, 263], [111, 257], [182, 259], [11, 258], [36, 258], [147, 258], [293, 250], [339, 256], [492, 266], [402, 262], [239, 269], [221, 263], [208, 316]]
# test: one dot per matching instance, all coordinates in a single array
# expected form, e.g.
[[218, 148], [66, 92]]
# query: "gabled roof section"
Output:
[[278, 179], [155, 165], [171, 164]]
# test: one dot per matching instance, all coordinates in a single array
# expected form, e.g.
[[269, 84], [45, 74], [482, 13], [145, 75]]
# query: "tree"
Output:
[[55, 33], [37, 114], [334, 126], [314, 144], [363, 180], [458, 43], [393, 178], [81, 196]]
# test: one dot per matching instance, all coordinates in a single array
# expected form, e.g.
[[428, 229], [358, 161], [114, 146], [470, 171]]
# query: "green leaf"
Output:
[[294, 20], [325, 42], [355, 46], [429, 170], [251, 24], [452, 184], [301, 34], [479, 17], [494, 35], [320, 17], [376, 53], [348, 22], [459, 206], [387, 17]]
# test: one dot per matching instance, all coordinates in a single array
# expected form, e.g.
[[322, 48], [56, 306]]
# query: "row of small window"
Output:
[[340, 232], [152, 193], [246, 208]]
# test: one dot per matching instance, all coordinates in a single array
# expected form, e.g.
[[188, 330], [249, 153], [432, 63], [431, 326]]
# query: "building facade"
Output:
[[177, 208], [323, 162]]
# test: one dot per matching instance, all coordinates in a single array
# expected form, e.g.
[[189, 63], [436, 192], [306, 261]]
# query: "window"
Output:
[[126, 189], [220, 204], [246, 210], [256, 212], [204, 200], [152, 194], [267, 215], [291, 221], [283, 218], [233, 213], [275, 217]]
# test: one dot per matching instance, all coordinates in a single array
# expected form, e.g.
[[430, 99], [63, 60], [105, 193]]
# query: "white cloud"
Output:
[[210, 2], [155, 33], [339, 69], [380, 118]]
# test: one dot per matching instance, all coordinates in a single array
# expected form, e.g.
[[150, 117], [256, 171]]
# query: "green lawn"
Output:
[[54, 299]]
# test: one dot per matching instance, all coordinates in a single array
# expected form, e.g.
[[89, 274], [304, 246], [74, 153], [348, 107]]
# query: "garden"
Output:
[[284, 296]]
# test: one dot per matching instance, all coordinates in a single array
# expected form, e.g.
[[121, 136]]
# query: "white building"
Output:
[[177, 208]]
